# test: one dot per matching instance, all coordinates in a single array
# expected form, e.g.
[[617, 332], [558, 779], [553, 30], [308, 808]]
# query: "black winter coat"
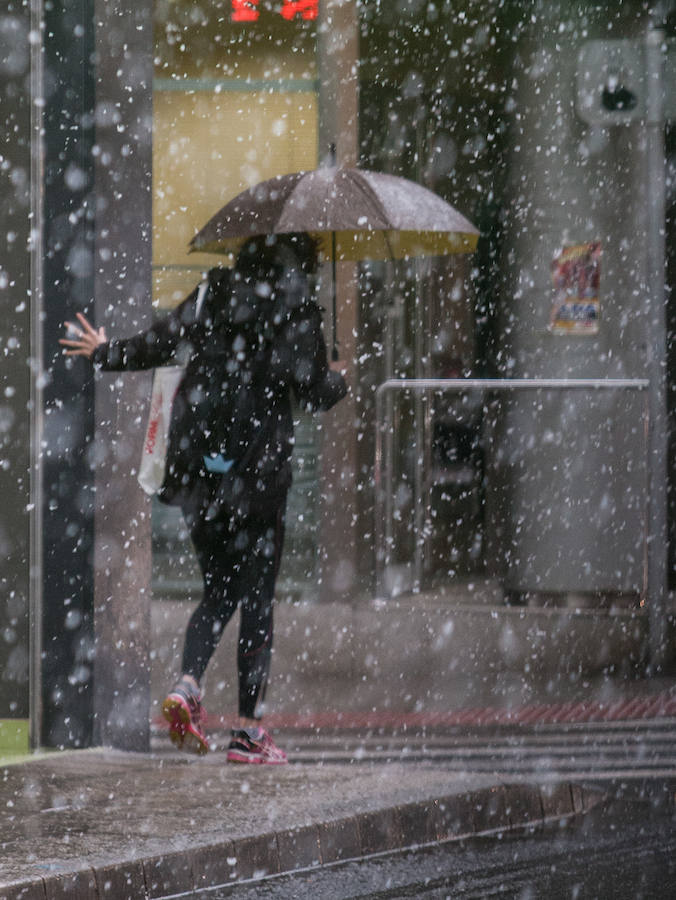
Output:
[[243, 356]]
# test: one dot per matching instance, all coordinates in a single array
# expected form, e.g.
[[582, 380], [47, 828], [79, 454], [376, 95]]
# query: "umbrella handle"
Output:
[[334, 317]]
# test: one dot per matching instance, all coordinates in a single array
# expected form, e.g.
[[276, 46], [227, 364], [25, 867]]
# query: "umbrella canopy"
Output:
[[352, 213]]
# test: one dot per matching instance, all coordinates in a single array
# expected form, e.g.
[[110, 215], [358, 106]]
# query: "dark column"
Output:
[[68, 392], [15, 166], [123, 115]]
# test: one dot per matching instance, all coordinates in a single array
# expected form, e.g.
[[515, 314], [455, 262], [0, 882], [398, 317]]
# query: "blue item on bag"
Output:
[[216, 463]]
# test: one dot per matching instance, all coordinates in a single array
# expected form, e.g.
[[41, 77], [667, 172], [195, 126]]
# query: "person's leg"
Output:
[[257, 580], [251, 743], [220, 597], [218, 563]]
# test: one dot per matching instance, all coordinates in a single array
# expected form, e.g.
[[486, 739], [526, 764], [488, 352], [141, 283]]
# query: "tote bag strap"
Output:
[[201, 294]]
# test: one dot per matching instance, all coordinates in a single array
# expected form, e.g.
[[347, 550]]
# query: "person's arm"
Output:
[[159, 345], [317, 385]]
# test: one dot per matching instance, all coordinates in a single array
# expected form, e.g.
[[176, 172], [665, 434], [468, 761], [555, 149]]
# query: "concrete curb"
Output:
[[508, 807]]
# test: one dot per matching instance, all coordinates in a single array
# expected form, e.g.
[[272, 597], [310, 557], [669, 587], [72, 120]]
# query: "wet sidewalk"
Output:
[[105, 824], [100, 823]]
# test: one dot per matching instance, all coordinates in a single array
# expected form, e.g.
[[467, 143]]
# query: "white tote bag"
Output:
[[165, 384], [154, 455]]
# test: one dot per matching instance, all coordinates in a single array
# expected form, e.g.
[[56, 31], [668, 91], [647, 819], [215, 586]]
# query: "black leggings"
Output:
[[239, 562]]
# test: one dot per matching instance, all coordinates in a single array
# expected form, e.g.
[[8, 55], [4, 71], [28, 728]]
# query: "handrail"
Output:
[[383, 493], [514, 383]]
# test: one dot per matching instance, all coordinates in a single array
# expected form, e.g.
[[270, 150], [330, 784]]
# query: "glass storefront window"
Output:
[[235, 102]]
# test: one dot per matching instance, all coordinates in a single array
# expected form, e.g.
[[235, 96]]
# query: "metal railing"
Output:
[[384, 445]]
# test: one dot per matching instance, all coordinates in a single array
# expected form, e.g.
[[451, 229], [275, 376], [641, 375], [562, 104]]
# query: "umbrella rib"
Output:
[[368, 191]]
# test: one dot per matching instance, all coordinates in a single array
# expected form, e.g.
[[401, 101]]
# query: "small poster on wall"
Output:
[[576, 276]]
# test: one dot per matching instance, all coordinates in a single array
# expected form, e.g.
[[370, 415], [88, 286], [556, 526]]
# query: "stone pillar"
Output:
[[338, 51], [122, 555], [63, 284]]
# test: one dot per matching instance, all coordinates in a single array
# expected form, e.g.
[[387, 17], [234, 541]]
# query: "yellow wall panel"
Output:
[[208, 146]]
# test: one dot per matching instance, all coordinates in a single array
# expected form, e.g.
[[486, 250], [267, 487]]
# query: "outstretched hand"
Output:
[[86, 338]]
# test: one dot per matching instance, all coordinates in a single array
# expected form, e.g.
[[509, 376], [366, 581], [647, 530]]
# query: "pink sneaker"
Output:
[[254, 745], [183, 710]]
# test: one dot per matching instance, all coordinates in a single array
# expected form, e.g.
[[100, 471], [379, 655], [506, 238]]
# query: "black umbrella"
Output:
[[352, 213]]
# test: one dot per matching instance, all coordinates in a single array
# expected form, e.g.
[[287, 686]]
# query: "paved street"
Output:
[[625, 848]]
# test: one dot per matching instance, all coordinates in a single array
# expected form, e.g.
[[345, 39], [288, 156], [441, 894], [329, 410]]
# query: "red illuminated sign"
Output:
[[245, 11], [248, 10], [307, 9]]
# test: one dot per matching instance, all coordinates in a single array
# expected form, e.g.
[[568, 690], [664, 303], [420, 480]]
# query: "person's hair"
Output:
[[276, 251]]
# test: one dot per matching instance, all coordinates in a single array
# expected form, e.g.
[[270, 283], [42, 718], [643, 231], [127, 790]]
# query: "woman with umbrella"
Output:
[[255, 340]]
